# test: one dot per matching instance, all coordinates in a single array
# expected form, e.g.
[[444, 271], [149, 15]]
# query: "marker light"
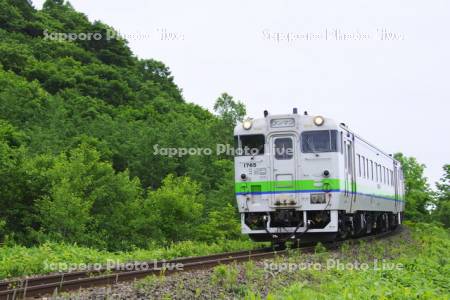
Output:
[[318, 120], [247, 124]]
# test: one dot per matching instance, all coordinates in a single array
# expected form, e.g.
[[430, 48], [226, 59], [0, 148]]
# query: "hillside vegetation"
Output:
[[78, 123]]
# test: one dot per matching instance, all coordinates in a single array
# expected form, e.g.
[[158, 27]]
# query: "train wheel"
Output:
[[343, 229], [387, 223], [359, 224], [393, 221], [369, 224], [383, 223], [380, 223]]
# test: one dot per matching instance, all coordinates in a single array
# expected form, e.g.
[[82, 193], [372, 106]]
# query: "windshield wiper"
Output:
[[259, 150], [311, 146]]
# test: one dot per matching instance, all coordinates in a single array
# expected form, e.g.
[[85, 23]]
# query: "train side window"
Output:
[[283, 148], [376, 172], [371, 169], [380, 178], [359, 165], [345, 157], [381, 174], [364, 166], [349, 154], [367, 168]]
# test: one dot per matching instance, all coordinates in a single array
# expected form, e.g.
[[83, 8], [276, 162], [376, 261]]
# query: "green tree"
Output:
[[229, 110], [11, 156], [10, 16], [179, 205], [2, 229], [223, 193], [442, 211], [229, 113], [14, 57], [88, 202], [418, 194]]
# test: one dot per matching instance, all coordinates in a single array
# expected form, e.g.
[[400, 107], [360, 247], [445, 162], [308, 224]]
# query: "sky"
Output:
[[382, 67]]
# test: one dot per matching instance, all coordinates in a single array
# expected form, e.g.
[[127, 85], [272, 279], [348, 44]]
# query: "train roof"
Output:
[[302, 122]]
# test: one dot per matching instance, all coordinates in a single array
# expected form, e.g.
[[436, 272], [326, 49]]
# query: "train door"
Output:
[[283, 162], [396, 186], [349, 172]]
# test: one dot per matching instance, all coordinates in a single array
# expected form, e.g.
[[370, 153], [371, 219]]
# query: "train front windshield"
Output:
[[319, 141], [249, 145]]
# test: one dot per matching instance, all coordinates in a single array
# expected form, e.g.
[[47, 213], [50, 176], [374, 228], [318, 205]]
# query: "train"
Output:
[[308, 177]]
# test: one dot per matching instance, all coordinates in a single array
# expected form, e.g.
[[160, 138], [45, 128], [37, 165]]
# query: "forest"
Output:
[[78, 123]]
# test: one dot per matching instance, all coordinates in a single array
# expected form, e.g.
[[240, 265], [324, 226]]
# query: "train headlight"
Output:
[[317, 198], [319, 120], [247, 124]]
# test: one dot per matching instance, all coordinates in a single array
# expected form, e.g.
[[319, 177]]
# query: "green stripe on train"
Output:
[[279, 186], [303, 185]]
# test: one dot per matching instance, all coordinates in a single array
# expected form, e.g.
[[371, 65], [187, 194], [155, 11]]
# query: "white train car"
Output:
[[309, 177]]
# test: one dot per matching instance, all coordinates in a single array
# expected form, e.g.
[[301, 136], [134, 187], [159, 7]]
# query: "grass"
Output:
[[421, 251], [412, 265], [16, 261], [417, 267], [226, 276]]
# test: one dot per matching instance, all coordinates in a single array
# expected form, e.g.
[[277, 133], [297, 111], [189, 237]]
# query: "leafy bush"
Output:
[[87, 202], [221, 225], [179, 206]]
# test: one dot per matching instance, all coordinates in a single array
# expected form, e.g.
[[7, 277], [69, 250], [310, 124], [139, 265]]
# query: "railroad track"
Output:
[[49, 284]]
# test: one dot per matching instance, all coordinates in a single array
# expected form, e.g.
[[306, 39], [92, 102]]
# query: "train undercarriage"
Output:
[[310, 226]]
